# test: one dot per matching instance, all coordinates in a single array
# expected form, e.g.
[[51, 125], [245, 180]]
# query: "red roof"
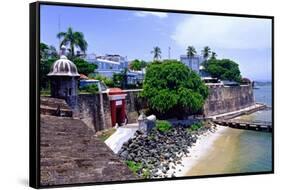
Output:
[[83, 76], [113, 91]]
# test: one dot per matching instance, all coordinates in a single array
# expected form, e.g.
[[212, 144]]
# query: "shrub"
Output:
[[195, 126], [137, 64], [93, 88], [107, 81], [84, 67], [163, 126], [134, 166], [146, 173]]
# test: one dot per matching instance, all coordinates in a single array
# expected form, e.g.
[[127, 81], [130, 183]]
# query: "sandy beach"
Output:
[[201, 148]]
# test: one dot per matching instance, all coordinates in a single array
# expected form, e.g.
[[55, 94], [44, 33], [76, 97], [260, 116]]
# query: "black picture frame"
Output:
[[34, 94]]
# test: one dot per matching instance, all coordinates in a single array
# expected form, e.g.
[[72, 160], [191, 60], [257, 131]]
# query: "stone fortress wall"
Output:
[[94, 109], [221, 99]]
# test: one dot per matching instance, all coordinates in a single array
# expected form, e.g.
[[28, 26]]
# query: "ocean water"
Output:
[[240, 151], [257, 146], [254, 153], [263, 94]]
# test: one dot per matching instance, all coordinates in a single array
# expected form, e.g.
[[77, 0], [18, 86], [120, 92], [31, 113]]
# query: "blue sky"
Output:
[[247, 41]]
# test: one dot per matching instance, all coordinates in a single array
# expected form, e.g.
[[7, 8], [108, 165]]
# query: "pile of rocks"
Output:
[[159, 152]]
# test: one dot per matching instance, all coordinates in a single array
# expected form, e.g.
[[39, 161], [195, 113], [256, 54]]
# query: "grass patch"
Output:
[[103, 135], [163, 126], [146, 173], [134, 166], [45, 92], [195, 127]]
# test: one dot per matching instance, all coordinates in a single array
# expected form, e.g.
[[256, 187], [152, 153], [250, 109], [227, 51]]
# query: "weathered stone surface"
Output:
[[94, 109], [55, 107], [227, 99], [71, 154], [98, 117]]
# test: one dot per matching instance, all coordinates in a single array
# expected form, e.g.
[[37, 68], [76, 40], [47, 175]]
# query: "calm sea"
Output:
[[255, 148], [240, 151]]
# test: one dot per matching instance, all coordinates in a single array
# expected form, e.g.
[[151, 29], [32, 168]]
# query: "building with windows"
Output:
[[108, 64], [192, 62]]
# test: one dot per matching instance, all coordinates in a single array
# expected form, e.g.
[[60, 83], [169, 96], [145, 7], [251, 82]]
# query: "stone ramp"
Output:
[[71, 154], [54, 107], [121, 135]]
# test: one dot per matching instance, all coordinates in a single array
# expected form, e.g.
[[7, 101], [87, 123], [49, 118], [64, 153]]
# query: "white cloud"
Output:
[[223, 32], [146, 13]]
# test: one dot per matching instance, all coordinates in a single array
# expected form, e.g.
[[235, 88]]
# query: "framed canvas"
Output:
[[122, 94]]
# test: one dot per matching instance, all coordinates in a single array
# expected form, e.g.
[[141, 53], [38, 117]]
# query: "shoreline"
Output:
[[198, 150]]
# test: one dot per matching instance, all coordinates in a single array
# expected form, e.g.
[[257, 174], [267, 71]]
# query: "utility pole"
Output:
[[169, 52], [59, 31]]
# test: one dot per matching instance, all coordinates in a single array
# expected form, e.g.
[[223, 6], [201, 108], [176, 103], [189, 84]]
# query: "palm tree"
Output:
[[44, 50], [213, 55], [190, 52], [156, 53], [206, 52], [74, 40]]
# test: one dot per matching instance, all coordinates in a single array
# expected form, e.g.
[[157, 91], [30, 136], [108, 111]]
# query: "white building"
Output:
[[108, 64], [193, 63], [135, 77]]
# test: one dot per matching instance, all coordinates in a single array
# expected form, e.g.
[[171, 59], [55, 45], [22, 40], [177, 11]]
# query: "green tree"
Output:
[[213, 55], [156, 53], [48, 56], [84, 67], [223, 69], [43, 51], [47, 52], [206, 52], [121, 79], [190, 52], [45, 65], [107, 81], [138, 65], [73, 39], [172, 89]]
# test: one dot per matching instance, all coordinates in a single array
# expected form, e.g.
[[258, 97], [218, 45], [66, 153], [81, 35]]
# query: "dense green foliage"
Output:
[[45, 65], [172, 89], [163, 126], [195, 126], [48, 56], [138, 65], [93, 88], [107, 81], [223, 69], [133, 166], [120, 79], [84, 67]]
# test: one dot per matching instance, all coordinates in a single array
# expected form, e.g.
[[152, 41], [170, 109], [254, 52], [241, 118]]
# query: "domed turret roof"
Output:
[[63, 66]]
